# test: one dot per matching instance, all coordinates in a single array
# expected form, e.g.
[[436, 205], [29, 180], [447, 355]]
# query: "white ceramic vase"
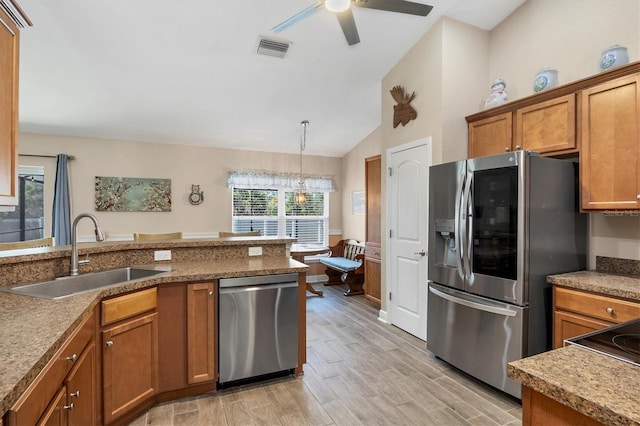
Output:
[[545, 79], [614, 56]]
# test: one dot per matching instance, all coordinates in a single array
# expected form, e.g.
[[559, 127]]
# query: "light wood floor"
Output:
[[359, 371]]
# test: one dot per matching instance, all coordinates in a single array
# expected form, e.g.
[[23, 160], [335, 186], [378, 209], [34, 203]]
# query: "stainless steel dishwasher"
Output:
[[258, 326]]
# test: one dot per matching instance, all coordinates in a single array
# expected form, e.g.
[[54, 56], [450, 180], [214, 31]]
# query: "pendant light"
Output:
[[301, 191]]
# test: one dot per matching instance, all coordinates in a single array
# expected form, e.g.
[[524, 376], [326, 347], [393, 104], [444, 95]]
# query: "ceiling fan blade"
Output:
[[348, 25], [298, 16], [400, 6]]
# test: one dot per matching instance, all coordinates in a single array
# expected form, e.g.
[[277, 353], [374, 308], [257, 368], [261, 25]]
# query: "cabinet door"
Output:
[[373, 181], [491, 135], [547, 127], [57, 412], [372, 290], [610, 157], [9, 54], [81, 389], [201, 322], [567, 325], [130, 365]]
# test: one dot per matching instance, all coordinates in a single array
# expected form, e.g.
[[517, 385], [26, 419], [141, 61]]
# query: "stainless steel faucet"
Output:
[[74, 240]]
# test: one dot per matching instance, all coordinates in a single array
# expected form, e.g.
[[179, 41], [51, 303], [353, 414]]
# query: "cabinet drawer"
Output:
[[129, 305], [38, 396], [373, 252], [595, 305]]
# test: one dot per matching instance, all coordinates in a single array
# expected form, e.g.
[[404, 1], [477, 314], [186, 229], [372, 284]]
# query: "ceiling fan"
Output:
[[342, 10]]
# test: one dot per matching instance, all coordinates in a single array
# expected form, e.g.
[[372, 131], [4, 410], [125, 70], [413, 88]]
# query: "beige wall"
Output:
[[184, 165], [353, 226], [573, 37], [452, 66]]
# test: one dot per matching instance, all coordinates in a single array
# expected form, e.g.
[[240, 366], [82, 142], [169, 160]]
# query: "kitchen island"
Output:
[[570, 385], [32, 329]]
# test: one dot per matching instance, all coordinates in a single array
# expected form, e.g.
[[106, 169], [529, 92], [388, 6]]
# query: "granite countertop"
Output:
[[596, 385], [607, 283], [33, 329]]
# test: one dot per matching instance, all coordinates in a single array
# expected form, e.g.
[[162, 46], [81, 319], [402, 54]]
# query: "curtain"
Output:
[[260, 179], [61, 225]]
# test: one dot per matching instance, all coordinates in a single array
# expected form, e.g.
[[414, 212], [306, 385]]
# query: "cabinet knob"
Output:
[[210, 293], [507, 149], [518, 147], [109, 343], [638, 197], [68, 407], [72, 358], [609, 310], [75, 394]]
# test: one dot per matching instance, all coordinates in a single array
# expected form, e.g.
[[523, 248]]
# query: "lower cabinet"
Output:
[[65, 392], [578, 312], [201, 321], [372, 274], [538, 409], [129, 352]]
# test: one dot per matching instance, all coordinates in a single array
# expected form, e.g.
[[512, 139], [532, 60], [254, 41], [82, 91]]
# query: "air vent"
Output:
[[271, 47]]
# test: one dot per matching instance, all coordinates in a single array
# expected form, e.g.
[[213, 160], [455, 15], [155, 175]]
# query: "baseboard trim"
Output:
[[382, 316]]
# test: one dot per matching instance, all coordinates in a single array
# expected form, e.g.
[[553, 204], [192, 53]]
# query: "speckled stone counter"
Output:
[[617, 285], [33, 329], [598, 386]]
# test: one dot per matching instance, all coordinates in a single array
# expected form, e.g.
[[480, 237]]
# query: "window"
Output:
[[26, 222], [274, 212]]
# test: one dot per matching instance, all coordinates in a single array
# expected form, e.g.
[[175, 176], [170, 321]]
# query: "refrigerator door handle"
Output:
[[458, 226], [474, 305], [468, 225]]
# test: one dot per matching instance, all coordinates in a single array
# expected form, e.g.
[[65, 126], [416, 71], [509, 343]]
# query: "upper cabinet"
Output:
[[11, 18], [610, 130], [597, 117]]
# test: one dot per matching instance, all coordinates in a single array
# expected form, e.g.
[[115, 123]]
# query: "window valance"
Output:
[[257, 179]]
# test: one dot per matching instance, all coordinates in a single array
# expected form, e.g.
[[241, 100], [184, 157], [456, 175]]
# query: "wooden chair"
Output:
[[239, 234], [42, 242], [345, 265], [154, 237]]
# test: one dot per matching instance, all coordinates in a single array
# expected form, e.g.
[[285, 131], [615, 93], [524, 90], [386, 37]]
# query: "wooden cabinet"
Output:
[[539, 409], [610, 132], [577, 312], [9, 57], [129, 352], [201, 326], [548, 127], [490, 135], [52, 398], [373, 243]]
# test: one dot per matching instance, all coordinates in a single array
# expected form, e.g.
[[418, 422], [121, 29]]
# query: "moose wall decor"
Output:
[[403, 112]]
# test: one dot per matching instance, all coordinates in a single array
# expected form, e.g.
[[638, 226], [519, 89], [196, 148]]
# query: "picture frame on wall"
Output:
[[357, 203]]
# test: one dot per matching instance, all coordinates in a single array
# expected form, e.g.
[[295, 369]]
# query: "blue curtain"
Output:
[[61, 226]]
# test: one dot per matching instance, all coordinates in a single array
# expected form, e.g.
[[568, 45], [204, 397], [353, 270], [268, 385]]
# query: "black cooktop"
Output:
[[620, 341]]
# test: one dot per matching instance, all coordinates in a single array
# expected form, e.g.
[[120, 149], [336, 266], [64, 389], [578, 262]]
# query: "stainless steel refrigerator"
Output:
[[498, 225]]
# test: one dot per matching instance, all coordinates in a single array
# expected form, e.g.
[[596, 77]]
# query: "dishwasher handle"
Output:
[[245, 289], [258, 280]]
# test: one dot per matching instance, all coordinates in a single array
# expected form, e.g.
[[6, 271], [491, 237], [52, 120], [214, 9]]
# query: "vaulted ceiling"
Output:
[[187, 71]]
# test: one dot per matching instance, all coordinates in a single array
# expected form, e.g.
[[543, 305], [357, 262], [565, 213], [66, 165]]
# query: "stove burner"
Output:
[[629, 343]]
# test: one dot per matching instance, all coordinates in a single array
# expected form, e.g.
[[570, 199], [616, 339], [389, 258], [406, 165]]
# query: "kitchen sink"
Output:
[[72, 285]]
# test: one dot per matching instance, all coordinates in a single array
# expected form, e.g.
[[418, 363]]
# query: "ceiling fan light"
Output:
[[337, 5]]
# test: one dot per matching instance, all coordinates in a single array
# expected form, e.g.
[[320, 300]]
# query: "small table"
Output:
[[299, 251]]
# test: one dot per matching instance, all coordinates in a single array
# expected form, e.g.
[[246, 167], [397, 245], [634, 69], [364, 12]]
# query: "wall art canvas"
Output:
[[123, 194], [357, 202]]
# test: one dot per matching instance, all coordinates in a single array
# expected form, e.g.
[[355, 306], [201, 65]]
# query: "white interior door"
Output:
[[408, 195]]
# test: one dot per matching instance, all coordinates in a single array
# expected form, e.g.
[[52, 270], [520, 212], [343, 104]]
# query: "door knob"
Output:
[[421, 253]]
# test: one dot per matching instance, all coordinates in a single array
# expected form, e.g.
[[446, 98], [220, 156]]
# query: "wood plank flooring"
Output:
[[359, 371]]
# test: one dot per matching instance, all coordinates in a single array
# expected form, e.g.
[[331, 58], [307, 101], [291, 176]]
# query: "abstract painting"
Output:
[[123, 194]]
